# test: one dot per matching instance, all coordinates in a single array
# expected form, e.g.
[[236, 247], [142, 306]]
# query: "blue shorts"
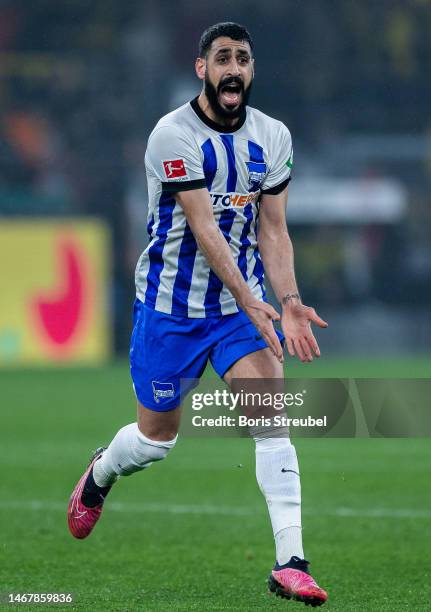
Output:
[[166, 348]]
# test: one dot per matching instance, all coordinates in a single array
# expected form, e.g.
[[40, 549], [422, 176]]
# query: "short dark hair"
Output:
[[226, 28]]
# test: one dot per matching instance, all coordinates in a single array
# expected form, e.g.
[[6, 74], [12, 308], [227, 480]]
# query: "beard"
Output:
[[226, 112]]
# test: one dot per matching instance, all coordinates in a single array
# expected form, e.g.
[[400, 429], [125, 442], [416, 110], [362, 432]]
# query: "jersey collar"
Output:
[[216, 126]]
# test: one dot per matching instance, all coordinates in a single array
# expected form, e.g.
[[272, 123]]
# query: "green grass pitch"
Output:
[[192, 533]]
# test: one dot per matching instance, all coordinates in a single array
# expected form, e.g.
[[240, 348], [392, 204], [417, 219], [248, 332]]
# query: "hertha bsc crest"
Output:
[[162, 390], [256, 174]]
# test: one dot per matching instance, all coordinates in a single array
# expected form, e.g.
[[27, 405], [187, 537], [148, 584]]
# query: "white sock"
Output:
[[277, 474], [130, 451]]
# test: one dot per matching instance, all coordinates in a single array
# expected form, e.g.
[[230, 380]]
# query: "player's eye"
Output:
[[222, 60]]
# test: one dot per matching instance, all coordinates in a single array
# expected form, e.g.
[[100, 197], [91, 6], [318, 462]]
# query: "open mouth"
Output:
[[231, 94]]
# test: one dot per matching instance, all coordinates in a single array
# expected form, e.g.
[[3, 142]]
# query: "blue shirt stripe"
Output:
[[232, 176], [256, 155], [255, 151], [245, 242], [209, 163], [258, 271], [183, 279], [215, 286], [155, 252]]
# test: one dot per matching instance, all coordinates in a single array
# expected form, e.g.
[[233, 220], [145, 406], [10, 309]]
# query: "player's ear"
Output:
[[200, 66]]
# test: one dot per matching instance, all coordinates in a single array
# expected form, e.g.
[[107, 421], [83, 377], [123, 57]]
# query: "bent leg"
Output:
[[156, 367], [137, 445]]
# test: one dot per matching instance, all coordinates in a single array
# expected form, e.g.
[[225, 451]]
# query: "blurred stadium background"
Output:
[[81, 86]]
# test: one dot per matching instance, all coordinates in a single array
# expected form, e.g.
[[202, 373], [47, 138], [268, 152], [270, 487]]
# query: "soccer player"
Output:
[[214, 166]]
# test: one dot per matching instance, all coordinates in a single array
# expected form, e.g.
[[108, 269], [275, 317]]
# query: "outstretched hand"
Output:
[[296, 322]]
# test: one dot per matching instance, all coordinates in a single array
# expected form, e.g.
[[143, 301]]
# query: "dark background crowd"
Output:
[[83, 83]]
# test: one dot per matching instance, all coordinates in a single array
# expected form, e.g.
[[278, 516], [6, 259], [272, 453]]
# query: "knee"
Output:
[[146, 450], [137, 451]]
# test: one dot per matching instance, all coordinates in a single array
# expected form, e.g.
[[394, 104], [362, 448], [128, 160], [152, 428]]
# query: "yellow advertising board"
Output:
[[54, 292]]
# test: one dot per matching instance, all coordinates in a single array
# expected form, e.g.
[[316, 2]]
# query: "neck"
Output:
[[207, 109]]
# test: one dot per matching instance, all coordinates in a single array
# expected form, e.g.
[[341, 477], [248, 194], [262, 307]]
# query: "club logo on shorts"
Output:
[[175, 169], [256, 174], [162, 390]]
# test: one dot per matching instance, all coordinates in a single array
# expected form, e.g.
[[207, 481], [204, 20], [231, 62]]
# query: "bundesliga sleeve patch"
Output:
[[175, 169]]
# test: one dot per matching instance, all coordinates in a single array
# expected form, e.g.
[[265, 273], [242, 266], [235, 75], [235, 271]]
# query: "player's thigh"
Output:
[[243, 360], [158, 425], [164, 351], [258, 374], [259, 364]]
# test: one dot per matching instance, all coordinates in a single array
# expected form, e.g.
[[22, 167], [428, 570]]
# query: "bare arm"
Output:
[[276, 250], [199, 214], [275, 245]]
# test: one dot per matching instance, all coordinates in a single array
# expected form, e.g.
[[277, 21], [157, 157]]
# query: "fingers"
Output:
[[312, 342], [299, 337], [271, 337], [304, 347], [268, 333], [298, 349], [313, 316], [262, 315], [290, 346], [274, 344]]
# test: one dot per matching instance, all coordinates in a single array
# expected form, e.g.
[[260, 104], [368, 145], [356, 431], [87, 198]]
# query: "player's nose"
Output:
[[233, 69]]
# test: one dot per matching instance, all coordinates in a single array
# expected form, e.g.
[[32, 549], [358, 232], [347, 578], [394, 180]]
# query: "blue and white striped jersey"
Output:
[[186, 150]]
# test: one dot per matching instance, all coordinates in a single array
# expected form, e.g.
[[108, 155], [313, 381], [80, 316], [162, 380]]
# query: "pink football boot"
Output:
[[292, 581], [81, 518]]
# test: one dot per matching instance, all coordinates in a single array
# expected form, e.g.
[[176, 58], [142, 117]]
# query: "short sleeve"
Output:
[[281, 162], [174, 159]]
